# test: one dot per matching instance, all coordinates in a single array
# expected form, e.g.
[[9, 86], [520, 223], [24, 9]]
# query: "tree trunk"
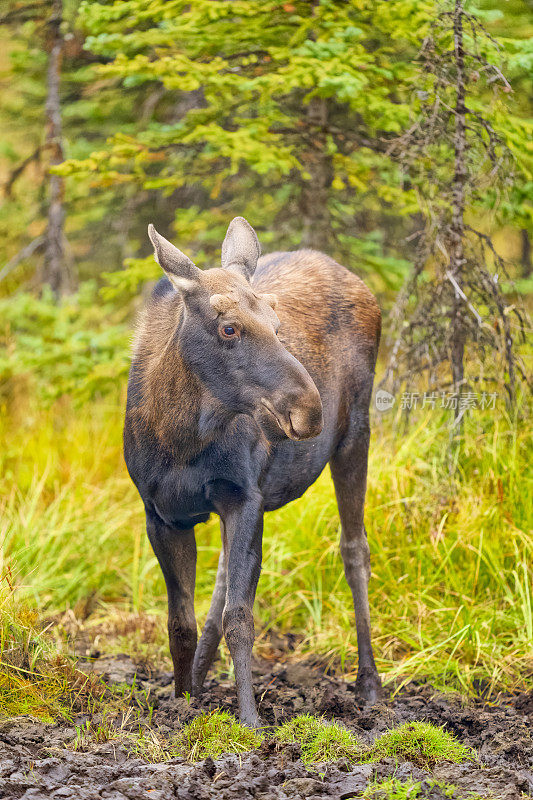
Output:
[[314, 195], [55, 269], [527, 264], [457, 259]]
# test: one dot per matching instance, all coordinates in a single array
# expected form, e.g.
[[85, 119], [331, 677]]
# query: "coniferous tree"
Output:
[[295, 106], [51, 231], [453, 298], [55, 271]]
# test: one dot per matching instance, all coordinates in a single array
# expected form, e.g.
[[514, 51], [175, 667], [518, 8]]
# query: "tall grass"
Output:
[[451, 559]]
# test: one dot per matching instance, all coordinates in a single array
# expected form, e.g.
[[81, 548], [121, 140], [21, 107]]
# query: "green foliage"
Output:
[[100, 229], [22, 650], [498, 157], [258, 66], [197, 112], [77, 347], [421, 743], [319, 740], [213, 734]]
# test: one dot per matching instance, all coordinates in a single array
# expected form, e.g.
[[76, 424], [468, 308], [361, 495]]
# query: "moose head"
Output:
[[228, 336]]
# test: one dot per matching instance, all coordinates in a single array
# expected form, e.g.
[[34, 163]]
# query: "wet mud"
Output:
[[38, 760]]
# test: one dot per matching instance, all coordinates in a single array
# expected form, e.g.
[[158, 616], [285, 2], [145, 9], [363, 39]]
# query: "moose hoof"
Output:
[[197, 688], [251, 722], [368, 686]]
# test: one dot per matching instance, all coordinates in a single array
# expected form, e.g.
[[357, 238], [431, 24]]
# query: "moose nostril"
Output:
[[306, 422]]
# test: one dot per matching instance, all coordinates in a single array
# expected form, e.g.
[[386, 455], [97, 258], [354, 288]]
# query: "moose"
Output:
[[246, 380]]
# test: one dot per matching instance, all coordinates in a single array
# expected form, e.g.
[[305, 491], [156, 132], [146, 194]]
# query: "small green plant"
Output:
[[392, 789], [108, 726], [102, 728], [213, 734], [319, 740], [421, 743], [93, 733]]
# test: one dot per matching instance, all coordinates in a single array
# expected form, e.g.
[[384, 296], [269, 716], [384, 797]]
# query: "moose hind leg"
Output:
[[349, 469], [212, 632], [176, 553]]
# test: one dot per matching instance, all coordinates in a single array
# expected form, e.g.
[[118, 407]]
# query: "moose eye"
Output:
[[229, 332]]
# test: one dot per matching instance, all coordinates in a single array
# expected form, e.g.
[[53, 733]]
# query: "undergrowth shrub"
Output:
[[78, 347]]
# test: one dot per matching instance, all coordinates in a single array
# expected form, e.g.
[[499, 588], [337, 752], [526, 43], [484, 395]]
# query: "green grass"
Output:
[[35, 679], [21, 654], [213, 734], [393, 789], [451, 561], [319, 740], [421, 743], [126, 729]]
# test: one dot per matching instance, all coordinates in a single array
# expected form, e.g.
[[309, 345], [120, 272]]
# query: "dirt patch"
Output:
[[37, 760]]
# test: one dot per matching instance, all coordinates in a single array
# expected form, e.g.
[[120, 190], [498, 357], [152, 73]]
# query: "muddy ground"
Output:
[[36, 760]]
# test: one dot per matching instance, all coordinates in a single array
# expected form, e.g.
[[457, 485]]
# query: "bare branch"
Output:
[[22, 255]]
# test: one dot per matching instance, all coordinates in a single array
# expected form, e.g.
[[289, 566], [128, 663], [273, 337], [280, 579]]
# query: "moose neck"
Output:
[[180, 410]]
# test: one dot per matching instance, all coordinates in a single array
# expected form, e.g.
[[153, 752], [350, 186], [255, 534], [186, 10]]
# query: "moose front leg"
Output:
[[212, 632], [176, 553], [244, 534]]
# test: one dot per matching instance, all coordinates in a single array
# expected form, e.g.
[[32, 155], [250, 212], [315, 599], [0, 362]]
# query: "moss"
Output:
[[394, 789], [421, 743], [319, 740], [213, 734]]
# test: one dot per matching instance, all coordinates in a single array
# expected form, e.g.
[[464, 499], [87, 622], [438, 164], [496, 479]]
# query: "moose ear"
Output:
[[241, 248], [179, 269], [271, 299]]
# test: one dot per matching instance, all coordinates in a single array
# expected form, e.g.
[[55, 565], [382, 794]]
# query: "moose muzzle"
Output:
[[298, 412]]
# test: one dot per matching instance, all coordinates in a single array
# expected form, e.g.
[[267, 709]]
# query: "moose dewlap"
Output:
[[246, 381]]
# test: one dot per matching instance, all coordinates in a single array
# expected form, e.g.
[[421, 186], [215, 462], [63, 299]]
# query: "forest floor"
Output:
[[91, 756]]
